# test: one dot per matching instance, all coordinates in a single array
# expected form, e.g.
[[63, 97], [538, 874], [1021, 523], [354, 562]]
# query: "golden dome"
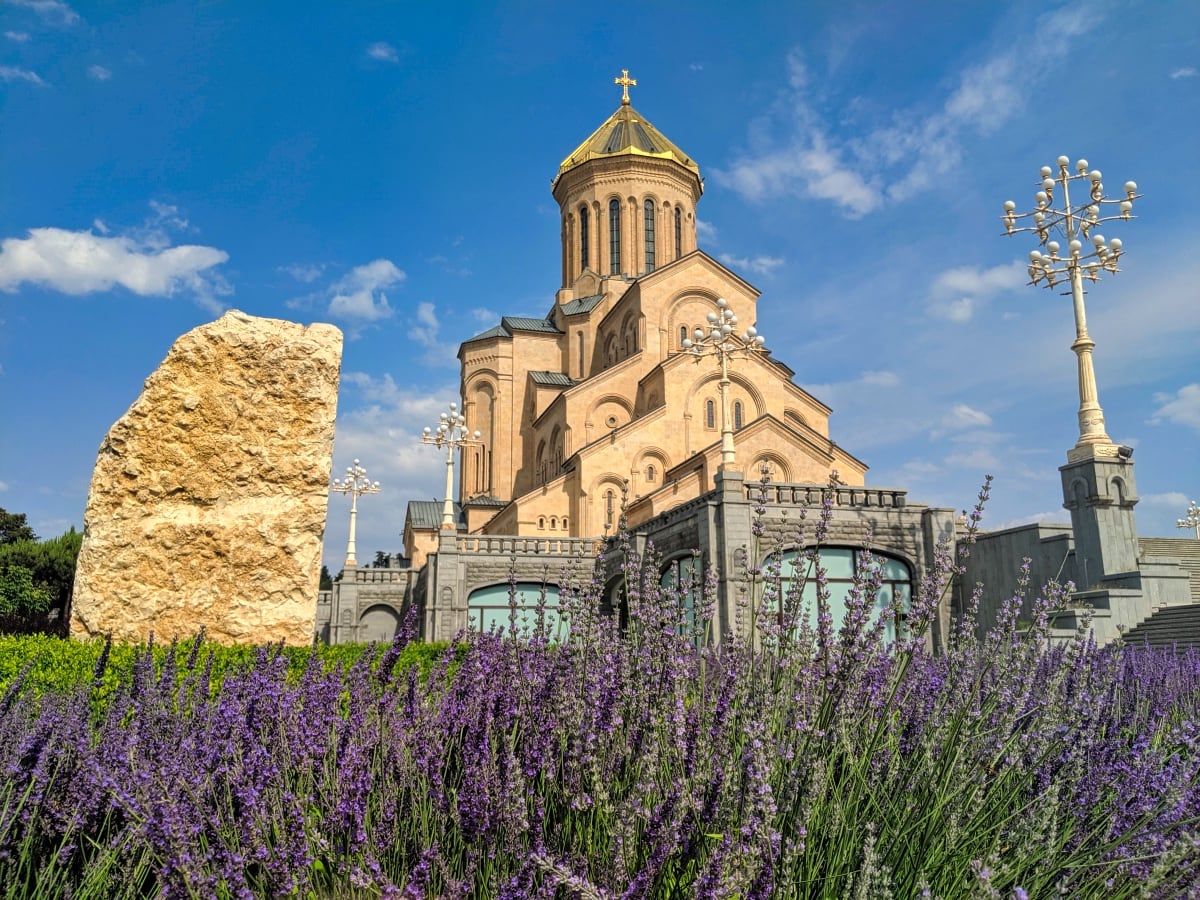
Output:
[[626, 133]]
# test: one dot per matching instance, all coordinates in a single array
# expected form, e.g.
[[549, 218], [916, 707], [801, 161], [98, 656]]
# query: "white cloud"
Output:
[[19, 36], [99, 225], [304, 273], [1182, 408], [426, 332], [880, 379], [706, 231], [383, 51], [696, 67], [1185, 72], [760, 265], [962, 416], [795, 150], [12, 73], [485, 316], [359, 294], [957, 293], [50, 10], [82, 262], [99, 73], [3, 487]]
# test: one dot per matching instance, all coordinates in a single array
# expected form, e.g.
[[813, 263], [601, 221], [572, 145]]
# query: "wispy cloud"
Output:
[[759, 265], [19, 36], [359, 295], [99, 73], [13, 73], [485, 316], [1170, 499], [1180, 408], [797, 150], [960, 417], [53, 11], [1185, 72], [83, 262], [957, 294], [696, 67], [706, 231], [383, 51], [305, 273]]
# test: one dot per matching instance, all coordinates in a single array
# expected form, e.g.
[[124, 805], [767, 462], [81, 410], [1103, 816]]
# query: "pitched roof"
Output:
[[552, 379], [426, 514], [581, 305], [528, 323], [493, 332]]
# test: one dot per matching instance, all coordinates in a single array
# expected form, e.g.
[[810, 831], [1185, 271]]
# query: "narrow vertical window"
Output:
[[614, 237], [579, 335], [650, 474], [648, 207], [609, 502], [737, 415], [678, 232], [710, 414], [682, 334], [583, 237]]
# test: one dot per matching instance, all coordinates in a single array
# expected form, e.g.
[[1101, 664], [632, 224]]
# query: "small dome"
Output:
[[626, 133]]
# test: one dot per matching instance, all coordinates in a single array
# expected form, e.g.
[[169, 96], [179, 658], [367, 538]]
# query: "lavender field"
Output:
[[809, 758]]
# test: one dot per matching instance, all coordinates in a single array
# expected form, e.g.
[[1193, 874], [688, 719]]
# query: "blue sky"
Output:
[[386, 167]]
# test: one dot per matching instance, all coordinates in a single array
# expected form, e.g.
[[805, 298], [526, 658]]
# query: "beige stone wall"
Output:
[[207, 505]]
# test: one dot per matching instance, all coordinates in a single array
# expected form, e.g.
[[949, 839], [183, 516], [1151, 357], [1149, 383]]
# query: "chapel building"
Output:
[[597, 401]]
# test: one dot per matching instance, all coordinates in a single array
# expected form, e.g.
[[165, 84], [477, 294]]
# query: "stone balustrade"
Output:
[[811, 495], [506, 545]]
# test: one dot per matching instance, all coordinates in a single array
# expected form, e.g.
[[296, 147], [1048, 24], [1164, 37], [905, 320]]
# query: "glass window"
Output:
[[678, 233], [737, 415], [490, 608], [683, 335], [839, 564], [614, 237], [609, 505], [648, 207], [650, 474], [710, 414], [683, 579], [541, 521], [583, 237]]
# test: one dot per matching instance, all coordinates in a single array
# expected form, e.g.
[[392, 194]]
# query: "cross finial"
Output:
[[625, 82]]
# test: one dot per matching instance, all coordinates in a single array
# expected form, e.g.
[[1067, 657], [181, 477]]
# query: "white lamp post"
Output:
[[452, 434], [724, 343], [355, 484], [1076, 225], [1192, 520]]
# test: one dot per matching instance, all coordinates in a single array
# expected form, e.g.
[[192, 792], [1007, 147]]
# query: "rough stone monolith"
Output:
[[207, 503]]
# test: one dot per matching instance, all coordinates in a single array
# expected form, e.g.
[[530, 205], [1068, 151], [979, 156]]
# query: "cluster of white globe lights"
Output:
[[720, 327], [1072, 223]]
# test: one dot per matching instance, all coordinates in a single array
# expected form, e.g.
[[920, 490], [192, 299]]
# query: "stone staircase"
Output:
[[1186, 550], [1170, 625]]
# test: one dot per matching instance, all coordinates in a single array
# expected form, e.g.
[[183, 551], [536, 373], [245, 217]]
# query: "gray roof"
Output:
[[428, 514], [552, 379], [494, 331], [581, 305], [527, 323], [483, 500]]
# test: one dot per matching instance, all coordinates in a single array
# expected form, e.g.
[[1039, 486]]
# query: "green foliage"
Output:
[[60, 665], [326, 583], [19, 595], [51, 563], [13, 527]]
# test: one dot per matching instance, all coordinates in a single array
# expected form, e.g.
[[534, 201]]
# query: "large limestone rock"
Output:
[[207, 504]]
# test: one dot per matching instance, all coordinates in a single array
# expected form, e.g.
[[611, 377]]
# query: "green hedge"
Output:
[[61, 665]]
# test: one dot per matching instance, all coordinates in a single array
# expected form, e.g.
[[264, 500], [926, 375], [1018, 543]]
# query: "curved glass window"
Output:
[[683, 578], [678, 233], [650, 474], [840, 564], [583, 237], [710, 414], [737, 415], [614, 237], [488, 608], [648, 208]]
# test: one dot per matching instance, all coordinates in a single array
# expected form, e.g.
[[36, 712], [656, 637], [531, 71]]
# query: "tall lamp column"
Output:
[[452, 434], [724, 343], [1078, 226], [355, 484]]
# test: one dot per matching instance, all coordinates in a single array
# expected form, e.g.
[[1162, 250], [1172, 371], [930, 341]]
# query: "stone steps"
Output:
[[1170, 625]]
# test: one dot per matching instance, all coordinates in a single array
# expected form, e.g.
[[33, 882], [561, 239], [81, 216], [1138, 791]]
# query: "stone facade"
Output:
[[207, 504]]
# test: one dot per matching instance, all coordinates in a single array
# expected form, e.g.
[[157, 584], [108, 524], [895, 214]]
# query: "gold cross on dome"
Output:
[[625, 82]]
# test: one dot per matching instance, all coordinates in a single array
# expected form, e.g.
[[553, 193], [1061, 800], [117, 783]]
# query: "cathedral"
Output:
[[646, 391]]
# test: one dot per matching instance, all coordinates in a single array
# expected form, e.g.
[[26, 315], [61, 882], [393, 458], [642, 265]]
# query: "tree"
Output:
[[382, 560], [19, 595], [326, 580], [14, 527], [51, 564]]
